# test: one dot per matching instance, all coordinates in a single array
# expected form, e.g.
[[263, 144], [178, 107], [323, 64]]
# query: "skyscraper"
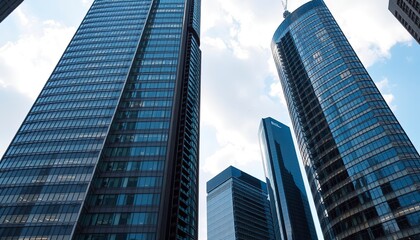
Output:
[[109, 150], [362, 168], [7, 7], [408, 13], [238, 207], [292, 216]]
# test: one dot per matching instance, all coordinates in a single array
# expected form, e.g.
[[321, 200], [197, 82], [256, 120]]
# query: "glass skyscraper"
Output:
[[408, 14], [362, 168], [7, 7], [109, 150], [292, 216], [238, 207]]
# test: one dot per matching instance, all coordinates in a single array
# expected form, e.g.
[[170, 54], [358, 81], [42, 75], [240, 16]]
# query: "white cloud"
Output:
[[389, 98], [277, 91], [239, 52], [237, 154], [370, 28], [22, 17], [383, 84], [385, 89], [87, 2], [26, 64], [214, 42]]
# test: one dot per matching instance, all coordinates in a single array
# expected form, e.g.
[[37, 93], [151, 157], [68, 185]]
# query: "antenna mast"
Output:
[[285, 13]]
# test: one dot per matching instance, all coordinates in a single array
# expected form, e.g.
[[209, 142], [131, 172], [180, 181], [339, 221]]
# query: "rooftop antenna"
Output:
[[286, 12]]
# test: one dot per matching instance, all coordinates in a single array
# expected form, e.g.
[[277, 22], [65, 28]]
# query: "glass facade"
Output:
[[362, 168], [288, 199], [7, 7], [238, 207], [109, 150], [408, 13]]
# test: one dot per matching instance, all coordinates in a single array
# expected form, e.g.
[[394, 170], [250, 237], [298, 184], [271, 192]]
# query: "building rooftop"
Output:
[[232, 172]]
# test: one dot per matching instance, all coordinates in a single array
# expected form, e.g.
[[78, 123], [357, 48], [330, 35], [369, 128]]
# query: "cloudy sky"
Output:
[[239, 81]]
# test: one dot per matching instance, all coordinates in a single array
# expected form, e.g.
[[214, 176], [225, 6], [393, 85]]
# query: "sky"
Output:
[[240, 84]]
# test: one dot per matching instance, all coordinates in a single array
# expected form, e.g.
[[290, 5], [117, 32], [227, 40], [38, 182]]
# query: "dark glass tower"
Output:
[[238, 207], [7, 7], [109, 150], [362, 168], [408, 13], [289, 203]]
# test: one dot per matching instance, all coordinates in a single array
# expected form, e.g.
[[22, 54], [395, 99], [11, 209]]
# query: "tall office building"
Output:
[[7, 7], [362, 168], [408, 13], [109, 150], [238, 207], [292, 216]]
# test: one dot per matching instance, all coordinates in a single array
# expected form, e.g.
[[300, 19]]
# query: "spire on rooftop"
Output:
[[286, 12]]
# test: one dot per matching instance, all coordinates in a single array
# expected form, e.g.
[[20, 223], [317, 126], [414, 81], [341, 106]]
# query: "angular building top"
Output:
[[360, 164], [289, 203], [232, 172], [238, 207], [7, 7]]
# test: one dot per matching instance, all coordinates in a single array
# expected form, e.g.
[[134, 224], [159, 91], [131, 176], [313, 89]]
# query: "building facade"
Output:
[[7, 7], [362, 168], [109, 150], [238, 207], [408, 13], [290, 209]]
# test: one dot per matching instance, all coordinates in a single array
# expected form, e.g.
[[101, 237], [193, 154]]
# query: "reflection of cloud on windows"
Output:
[[322, 35], [317, 57]]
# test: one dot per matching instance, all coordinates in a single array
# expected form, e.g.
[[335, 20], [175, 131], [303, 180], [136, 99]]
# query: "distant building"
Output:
[[237, 207], [362, 168], [408, 13], [7, 7], [290, 209]]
